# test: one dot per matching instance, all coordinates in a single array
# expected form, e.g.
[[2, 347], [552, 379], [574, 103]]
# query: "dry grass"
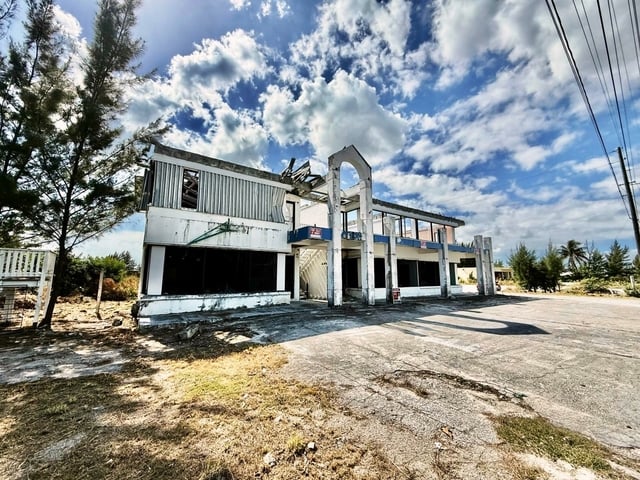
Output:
[[539, 436], [210, 415]]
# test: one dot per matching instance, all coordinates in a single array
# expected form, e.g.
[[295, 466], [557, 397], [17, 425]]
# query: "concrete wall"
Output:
[[179, 227], [172, 304]]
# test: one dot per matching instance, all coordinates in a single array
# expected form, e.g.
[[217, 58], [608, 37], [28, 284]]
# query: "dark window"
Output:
[[208, 270], [407, 273], [379, 273], [467, 262], [190, 182], [452, 274], [429, 273], [350, 273]]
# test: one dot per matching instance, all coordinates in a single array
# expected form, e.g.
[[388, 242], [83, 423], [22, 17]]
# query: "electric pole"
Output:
[[632, 201]]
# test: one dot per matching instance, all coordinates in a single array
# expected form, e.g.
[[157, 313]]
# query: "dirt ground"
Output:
[[94, 398]]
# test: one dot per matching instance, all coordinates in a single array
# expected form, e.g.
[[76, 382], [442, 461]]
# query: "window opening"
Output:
[[190, 182]]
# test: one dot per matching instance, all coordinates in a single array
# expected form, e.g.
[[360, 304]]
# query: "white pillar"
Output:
[[280, 271], [478, 245], [390, 259], [334, 249], [443, 258], [487, 267], [155, 270], [366, 248]]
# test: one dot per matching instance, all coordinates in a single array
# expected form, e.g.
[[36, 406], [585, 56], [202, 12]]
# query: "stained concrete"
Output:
[[574, 360]]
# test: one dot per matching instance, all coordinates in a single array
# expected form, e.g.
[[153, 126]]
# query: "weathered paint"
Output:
[[410, 292], [222, 194], [177, 227], [152, 305], [334, 255]]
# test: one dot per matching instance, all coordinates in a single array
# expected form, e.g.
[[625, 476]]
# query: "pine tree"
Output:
[[523, 264], [597, 265], [553, 265], [617, 260], [69, 175], [32, 82]]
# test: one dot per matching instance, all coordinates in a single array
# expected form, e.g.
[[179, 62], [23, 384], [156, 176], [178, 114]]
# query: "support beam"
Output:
[[390, 259], [488, 269], [334, 249], [443, 260], [478, 245]]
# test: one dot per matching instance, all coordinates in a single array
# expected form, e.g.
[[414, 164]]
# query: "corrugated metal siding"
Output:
[[220, 194], [167, 188]]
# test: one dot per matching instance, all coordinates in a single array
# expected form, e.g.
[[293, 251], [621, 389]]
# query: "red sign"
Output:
[[315, 232]]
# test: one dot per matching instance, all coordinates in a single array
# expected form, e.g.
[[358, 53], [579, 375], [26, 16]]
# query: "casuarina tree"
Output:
[[70, 154]]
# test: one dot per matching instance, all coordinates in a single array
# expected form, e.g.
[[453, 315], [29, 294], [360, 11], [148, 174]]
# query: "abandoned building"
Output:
[[219, 235]]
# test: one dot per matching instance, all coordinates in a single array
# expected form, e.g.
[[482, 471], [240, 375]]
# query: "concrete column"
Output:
[[366, 248], [281, 271], [156, 270], [478, 245], [443, 259], [334, 249], [390, 259], [489, 275], [296, 274]]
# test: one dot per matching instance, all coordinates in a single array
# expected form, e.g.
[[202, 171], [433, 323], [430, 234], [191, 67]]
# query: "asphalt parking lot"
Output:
[[574, 360]]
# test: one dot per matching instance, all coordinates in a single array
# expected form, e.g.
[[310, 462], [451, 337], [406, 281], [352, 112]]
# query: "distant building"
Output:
[[220, 235]]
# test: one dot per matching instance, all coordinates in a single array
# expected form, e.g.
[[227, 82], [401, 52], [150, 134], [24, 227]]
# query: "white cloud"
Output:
[[219, 64], [375, 39], [279, 7], [240, 4], [332, 115]]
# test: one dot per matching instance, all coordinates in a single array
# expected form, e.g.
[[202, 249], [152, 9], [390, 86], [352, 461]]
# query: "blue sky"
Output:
[[466, 108]]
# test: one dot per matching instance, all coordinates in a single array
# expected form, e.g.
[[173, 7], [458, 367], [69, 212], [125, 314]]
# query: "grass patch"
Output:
[[183, 417], [538, 435]]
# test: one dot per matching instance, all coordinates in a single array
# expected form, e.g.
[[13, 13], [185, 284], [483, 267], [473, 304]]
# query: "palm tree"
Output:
[[575, 254]]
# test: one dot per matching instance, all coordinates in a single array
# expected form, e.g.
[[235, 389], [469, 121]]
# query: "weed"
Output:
[[296, 444], [538, 435]]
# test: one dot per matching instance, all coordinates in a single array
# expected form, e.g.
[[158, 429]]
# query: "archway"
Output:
[[334, 254]]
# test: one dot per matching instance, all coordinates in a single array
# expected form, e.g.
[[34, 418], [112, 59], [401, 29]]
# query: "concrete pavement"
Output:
[[424, 365]]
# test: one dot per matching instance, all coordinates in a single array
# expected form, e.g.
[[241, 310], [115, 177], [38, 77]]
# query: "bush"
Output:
[[125, 289], [595, 285]]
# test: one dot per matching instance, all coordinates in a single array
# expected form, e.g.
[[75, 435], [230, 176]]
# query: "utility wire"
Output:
[[597, 65], [613, 17], [557, 22]]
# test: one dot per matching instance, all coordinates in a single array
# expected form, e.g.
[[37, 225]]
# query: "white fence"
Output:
[[24, 269]]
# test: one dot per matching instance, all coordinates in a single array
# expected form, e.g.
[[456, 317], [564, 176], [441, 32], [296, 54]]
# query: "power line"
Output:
[[578, 78]]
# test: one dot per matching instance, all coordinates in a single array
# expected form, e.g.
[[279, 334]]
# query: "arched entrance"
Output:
[[334, 254]]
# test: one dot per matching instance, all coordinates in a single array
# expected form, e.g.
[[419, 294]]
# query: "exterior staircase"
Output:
[[313, 272]]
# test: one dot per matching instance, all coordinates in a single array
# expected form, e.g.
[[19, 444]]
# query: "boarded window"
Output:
[[190, 183]]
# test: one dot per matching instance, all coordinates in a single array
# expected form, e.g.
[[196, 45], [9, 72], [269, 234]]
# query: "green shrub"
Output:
[[595, 285]]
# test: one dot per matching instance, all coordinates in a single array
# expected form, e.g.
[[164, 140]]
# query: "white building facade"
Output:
[[220, 235]]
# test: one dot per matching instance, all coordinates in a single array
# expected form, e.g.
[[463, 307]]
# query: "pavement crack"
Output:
[[403, 378]]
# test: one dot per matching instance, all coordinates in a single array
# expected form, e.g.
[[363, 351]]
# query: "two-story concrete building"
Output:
[[219, 235]]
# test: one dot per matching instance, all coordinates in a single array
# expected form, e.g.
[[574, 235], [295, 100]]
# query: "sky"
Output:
[[464, 108]]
